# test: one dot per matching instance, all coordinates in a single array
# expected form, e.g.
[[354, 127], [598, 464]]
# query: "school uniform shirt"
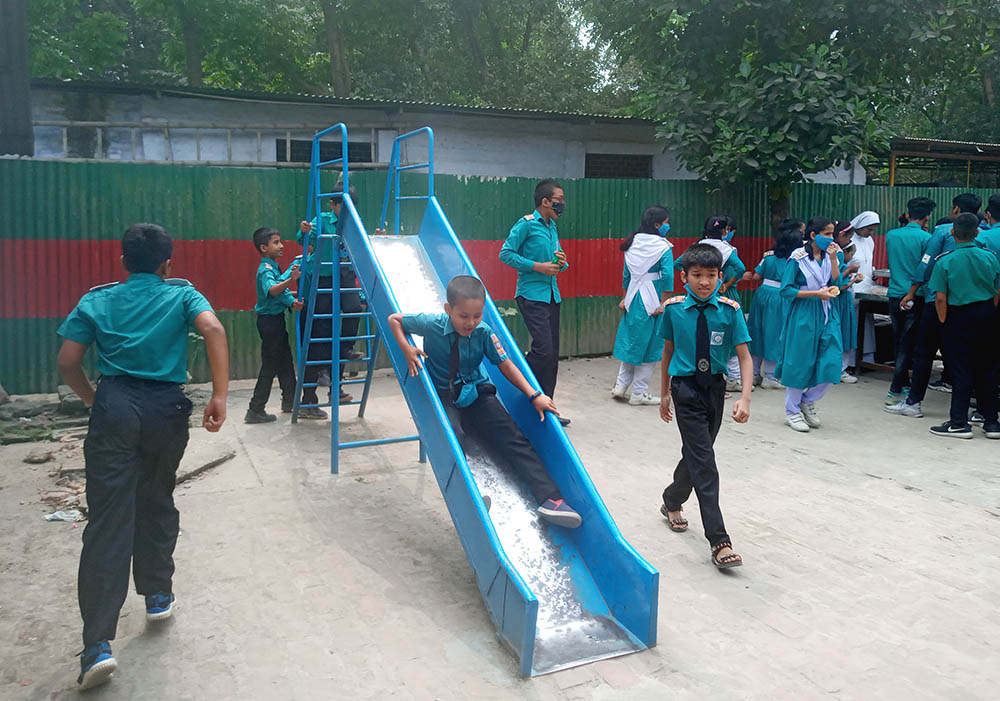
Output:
[[140, 326], [811, 347], [991, 238], [268, 275], [439, 334], [864, 256], [845, 308], [727, 328], [638, 339], [533, 241], [767, 309], [311, 239], [967, 274], [905, 246], [940, 241]]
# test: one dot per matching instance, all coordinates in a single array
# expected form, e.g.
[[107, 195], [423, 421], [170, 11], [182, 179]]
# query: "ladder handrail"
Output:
[[392, 177]]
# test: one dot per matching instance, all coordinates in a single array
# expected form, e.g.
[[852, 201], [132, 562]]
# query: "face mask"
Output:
[[559, 208], [730, 235], [823, 242], [691, 292], [663, 229]]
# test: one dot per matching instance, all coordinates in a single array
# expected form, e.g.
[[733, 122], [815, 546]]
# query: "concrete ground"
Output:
[[872, 550]]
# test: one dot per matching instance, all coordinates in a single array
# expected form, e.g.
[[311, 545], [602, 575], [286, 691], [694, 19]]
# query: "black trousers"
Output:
[[698, 413], [322, 328], [928, 342], [904, 337], [489, 425], [275, 361], [970, 337], [542, 320], [137, 435]]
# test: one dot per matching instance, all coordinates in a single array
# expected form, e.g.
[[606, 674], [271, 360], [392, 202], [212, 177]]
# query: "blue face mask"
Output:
[[730, 235], [663, 229], [715, 291], [823, 242]]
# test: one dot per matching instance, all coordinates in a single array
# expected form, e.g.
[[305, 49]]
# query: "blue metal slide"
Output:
[[559, 598]]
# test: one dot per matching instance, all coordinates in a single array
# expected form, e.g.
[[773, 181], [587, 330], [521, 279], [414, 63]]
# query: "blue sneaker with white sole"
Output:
[[159, 606], [558, 512], [96, 666]]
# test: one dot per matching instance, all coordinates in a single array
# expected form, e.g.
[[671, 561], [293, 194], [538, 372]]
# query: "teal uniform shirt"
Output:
[[967, 275], [269, 274], [325, 251], [845, 308], [940, 241], [533, 241], [767, 310], [991, 238], [906, 246], [726, 329], [639, 339], [439, 335], [140, 326]]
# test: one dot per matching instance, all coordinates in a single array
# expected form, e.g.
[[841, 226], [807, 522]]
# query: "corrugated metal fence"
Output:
[[61, 223]]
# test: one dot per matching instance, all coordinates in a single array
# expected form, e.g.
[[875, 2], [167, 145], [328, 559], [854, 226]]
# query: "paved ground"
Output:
[[871, 547]]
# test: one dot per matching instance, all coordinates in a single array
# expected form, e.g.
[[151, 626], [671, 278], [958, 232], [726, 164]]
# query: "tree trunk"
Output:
[[340, 75], [467, 13], [989, 96], [193, 52], [16, 133], [779, 202]]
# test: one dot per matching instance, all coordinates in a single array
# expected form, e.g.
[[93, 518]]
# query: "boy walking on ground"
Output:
[[137, 434], [532, 248], [702, 331], [455, 344], [967, 284], [273, 298]]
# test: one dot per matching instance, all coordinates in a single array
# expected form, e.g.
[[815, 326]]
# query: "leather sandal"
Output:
[[677, 525], [726, 561]]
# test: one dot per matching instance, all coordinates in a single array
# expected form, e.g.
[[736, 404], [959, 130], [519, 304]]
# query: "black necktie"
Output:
[[703, 358], [453, 367]]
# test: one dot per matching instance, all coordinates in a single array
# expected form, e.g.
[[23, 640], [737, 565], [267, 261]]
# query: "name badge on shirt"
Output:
[[717, 338], [926, 258]]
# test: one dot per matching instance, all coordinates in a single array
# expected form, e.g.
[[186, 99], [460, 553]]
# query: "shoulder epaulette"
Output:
[[529, 217], [675, 300], [768, 253], [731, 302], [800, 253], [177, 282], [105, 286], [941, 255]]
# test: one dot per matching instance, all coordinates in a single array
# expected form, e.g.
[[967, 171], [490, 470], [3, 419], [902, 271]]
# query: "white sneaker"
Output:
[[644, 399], [810, 415], [904, 409], [770, 383], [847, 378], [618, 391], [734, 385], [797, 422]]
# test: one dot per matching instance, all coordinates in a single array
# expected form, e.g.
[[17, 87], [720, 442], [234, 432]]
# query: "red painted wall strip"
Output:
[[45, 278]]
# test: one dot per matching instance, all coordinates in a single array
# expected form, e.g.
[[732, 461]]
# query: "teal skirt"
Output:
[[639, 337], [765, 322], [811, 350], [848, 319]]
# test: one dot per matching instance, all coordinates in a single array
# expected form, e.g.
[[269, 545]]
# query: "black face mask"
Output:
[[559, 208]]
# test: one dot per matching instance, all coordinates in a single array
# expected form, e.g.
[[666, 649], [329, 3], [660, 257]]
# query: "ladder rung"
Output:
[[354, 382], [413, 197], [354, 315], [412, 166], [357, 338], [322, 316], [314, 406], [344, 361]]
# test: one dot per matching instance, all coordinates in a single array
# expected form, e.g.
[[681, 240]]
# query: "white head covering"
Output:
[[866, 218]]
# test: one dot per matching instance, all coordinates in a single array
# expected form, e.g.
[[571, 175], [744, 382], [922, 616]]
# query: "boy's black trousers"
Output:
[[904, 337], [137, 435], [970, 337], [489, 424], [542, 320], [698, 412], [275, 361], [929, 340], [322, 328]]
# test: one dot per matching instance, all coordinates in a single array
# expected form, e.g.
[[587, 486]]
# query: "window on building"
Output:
[[301, 151], [618, 165]]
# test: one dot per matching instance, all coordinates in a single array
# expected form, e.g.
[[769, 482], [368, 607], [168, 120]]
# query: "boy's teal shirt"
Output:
[[439, 335], [727, 328], [269, 274], [140, 327], [325, 251], [991, 238], [967, 274], [906, 246], [533, 241]]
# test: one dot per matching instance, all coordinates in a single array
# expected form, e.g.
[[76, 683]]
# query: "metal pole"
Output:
[[892, 170], [335, 350]]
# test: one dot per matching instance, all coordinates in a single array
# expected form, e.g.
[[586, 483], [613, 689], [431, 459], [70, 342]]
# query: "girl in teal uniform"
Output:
[[648, 279], [811, 351], [768, 308], [843, 233]]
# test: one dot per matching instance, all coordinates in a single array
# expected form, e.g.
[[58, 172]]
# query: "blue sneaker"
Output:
[[559, 513], [159, 606], [96, 666]]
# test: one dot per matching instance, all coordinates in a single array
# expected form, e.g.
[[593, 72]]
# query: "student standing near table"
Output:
[[905, 245], [532, 248], [865, 225]]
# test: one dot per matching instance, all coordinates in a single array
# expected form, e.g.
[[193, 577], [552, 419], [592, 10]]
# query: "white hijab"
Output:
[[645, 251], [726, 249]]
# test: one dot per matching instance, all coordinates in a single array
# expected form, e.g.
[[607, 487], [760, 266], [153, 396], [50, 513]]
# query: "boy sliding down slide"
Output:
[[454, 345]]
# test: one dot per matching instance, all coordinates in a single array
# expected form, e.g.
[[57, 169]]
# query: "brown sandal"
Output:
[[726, 561], [677, 525]]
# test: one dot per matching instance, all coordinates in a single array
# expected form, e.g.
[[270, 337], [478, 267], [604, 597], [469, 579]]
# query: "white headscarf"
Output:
[[866, 218]]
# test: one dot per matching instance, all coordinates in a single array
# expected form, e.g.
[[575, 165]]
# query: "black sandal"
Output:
[[677, 525], [726, 561]]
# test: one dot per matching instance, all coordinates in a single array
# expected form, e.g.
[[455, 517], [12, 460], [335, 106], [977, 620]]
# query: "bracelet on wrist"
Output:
[[535, 396]]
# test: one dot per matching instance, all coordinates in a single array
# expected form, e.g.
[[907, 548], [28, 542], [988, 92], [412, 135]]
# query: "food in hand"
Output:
[[834, 290]]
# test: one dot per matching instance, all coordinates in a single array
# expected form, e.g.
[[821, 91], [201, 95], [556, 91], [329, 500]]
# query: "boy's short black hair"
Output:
[[145, 247], [337, 197], [993, 206], [263, 235], [464, 287], [920, 207], [942, 220], [967, 202], [545, 189], [965, 227], [701, 255]]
